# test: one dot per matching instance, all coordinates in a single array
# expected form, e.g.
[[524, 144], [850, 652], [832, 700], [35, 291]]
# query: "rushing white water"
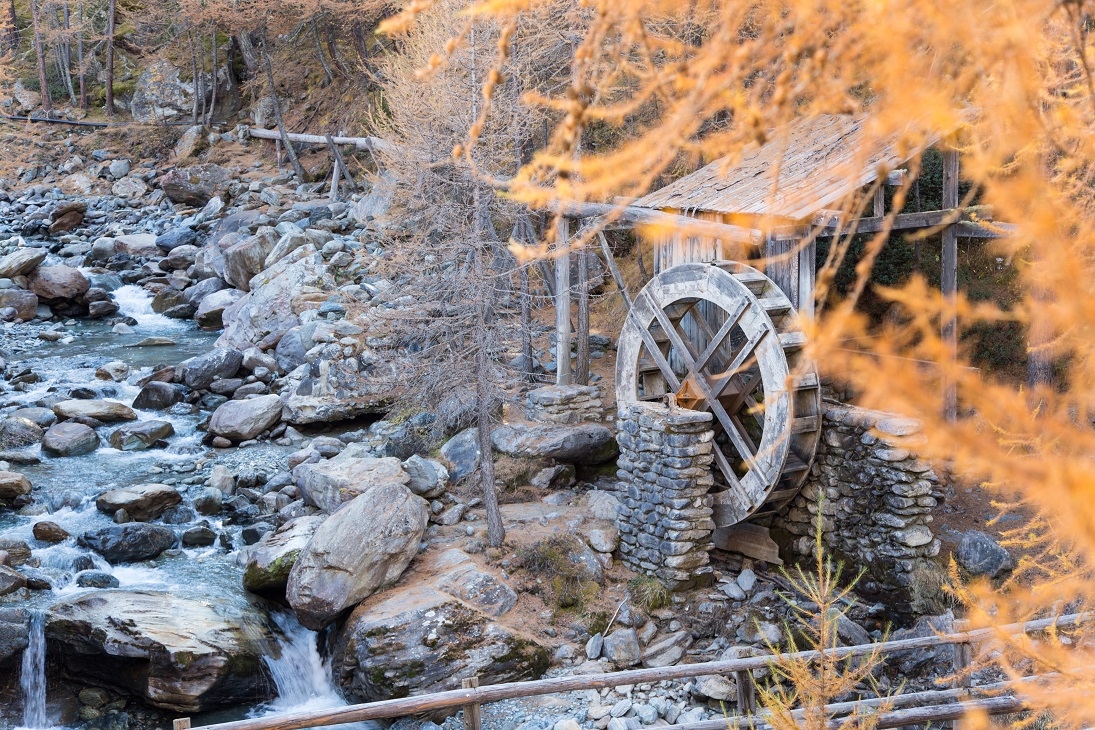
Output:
[[301, 675], [33, 678], [135, 302]]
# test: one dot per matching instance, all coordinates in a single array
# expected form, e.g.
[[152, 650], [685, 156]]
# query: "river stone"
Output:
[[17, 432], [129, 187], [14, 629], [246, 258], [157, 396], [667, 650], [267, 563], [21, 262], [220, 362], [210, 312], [50, 532], [172, 239], [621, 647], [462, 453], [58, 282], [107, 411], [340, 387], [981, 555], [586, 443], [290, 352], [70, 439], [11, 580], [13, 485], [178, 654], [139, 245], [460, 577], [25, 303], [95, 579], [167, 298], [329, 484], [143, 502], [415, 639], [18, 551], [196, 184], [141, 435], [129, 543], [195, 294], [364, 546], [67, 216], [240, 420]]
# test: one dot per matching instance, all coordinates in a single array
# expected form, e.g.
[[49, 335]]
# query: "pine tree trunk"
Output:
[[110, 17], [277, 113], [332, 48], [80, 56], [194, 76], [213, 96], [247, 50], [360, 45], [496, 530], [13, 32], [328, 76], [47, 104]]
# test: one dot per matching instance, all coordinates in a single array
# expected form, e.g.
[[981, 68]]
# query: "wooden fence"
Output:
[[937, 705]]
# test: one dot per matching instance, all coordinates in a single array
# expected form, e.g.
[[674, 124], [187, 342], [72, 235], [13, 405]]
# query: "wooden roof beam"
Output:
[[631, 216], [968, 220]]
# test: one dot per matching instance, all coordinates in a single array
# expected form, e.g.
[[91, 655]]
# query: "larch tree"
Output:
[[111, 18]]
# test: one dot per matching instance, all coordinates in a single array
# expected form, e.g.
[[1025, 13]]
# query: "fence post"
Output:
[[747, 693], [473, 719], [963, 657], [181, 723]]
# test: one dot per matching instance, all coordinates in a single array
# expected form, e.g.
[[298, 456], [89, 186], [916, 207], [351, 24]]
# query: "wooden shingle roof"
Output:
[[809, 165]]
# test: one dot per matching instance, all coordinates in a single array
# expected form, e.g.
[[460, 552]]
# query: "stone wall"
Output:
[[876, 500], [565, 404], [665, 471]]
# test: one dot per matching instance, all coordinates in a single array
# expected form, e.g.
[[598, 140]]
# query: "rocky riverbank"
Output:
[[198, 472]]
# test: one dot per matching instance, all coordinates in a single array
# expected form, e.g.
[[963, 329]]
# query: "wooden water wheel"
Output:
[[722, 337]]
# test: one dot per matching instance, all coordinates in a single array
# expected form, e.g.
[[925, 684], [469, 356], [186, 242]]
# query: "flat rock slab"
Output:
[[330, 484], [107, 411], [585, 443], [142, 502]]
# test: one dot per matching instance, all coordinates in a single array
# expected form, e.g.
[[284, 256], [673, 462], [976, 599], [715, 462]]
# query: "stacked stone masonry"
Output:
[[664, 468], [874, 495], [565, 404]]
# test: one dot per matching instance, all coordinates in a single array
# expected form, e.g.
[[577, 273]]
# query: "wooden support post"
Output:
[[747, 692], [562, 303], [582, 374], [180, 723], [334, 183], [340, 164], [950, 283], [963, 658], [610, 260], [473, 717], [880, 201]]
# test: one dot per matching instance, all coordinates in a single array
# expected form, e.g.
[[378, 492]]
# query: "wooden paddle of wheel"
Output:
[[722, 337]]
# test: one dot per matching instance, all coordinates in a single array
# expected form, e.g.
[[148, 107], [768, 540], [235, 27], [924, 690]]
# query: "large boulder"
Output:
[[462, 453], [363, 547], [175, 237], [129, 543], [980, 555], [25, 303], [70, 439], [106, 411], [220, 362], [586, 443], [177, 653], [330, 484], [157, 396], [160, 94], [13, 485], [210, 312], [58, 282], [21, 262], [139, 245], [240, 420], [245, 259], [18, 433], [417, 639], [141, 435], [267, 563], [335, 387], [142, 502], [276, 298], [195, 185]]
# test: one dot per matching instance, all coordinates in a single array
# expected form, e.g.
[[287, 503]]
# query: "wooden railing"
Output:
[[470, 696]]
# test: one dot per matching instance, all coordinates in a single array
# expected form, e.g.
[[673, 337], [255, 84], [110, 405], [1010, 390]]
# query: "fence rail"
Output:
[[474, 696]]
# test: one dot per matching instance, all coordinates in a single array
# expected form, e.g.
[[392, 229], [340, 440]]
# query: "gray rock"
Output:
[[196, 184], [143, 502], [17, 432], [58, 282], [621, 647], [460, 577], [329, 484], [462, 454], [220, 362], [172, 239], [11, 580], [180, 257], [980, 555], [157, 396], [175, 653], [267, 563], [119, 168], [210, 312], [14, 629], [240, 420], [95, 579], [209, 501], [364, 546], [585, 443], [25, 303], [246, 258], [594, 646], [141, 435], [667, 650], [107, 411], [849, 632], [747, 579], [130, 542], [426, 477], [70, 439], [604, 539], [196, 293], [21, 262], [717, 687]]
